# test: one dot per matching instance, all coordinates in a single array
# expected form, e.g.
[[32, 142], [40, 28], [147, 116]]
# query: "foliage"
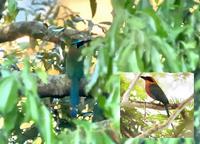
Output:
[[139, 39], [156, 41]]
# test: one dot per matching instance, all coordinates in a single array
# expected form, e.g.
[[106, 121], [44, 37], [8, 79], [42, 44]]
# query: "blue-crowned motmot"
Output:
[[74, 70]]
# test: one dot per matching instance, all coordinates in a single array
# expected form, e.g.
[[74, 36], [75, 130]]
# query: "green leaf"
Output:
[[128, 60], [10, 120], [12, 6], [32, 107], [93, 79], [168, 52], [156, 60], [183, 64], [160, 29], [8, 97], [47, 127], [193, 59], [87, 127], [101, 138], [12, 9], [143, 4], [174, 33], [112, 102], [133, 62], [147, 54], [93, 6], [189, 45], [3, 139], [130, 6], [139, 59], [28, 79]]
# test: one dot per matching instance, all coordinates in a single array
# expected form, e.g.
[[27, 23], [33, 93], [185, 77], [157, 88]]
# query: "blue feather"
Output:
[[74, 96]]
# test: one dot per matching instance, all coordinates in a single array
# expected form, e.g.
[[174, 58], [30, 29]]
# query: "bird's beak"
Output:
[[143, 77]]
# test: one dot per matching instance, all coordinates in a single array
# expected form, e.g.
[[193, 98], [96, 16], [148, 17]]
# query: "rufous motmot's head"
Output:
[[148, 79]]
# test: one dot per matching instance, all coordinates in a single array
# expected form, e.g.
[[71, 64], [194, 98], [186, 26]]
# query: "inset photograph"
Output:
[[159, 105]]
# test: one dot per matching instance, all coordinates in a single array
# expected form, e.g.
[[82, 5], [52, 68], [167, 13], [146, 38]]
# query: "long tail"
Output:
[[74, 96], [167, 110]]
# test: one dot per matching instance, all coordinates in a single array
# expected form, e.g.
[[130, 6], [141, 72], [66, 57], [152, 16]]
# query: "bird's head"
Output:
[[148, 79], [80, 43]]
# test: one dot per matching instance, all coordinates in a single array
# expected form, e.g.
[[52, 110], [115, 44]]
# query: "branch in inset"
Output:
[[149, 105]]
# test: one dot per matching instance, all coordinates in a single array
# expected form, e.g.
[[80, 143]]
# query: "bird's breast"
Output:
[[148, 90]]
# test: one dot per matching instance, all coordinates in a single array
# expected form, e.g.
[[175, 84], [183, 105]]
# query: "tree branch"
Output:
[[38, 30], [168, 122], [58, 86], [149, 105]]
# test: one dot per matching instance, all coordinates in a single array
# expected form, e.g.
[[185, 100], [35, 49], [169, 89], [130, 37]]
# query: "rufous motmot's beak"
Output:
[[143, 77]]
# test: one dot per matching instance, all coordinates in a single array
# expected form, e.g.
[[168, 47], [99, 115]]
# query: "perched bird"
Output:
[[74, 70], [155, 92]]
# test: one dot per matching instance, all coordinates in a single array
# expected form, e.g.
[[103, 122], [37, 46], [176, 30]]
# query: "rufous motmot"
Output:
[[155, 92], [74, 70]]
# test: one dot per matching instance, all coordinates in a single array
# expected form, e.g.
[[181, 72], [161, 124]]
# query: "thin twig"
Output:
[[126, 95]]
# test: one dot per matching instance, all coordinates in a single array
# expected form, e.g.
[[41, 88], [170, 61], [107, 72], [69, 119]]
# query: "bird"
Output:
[[74, 70], [155, 92]]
